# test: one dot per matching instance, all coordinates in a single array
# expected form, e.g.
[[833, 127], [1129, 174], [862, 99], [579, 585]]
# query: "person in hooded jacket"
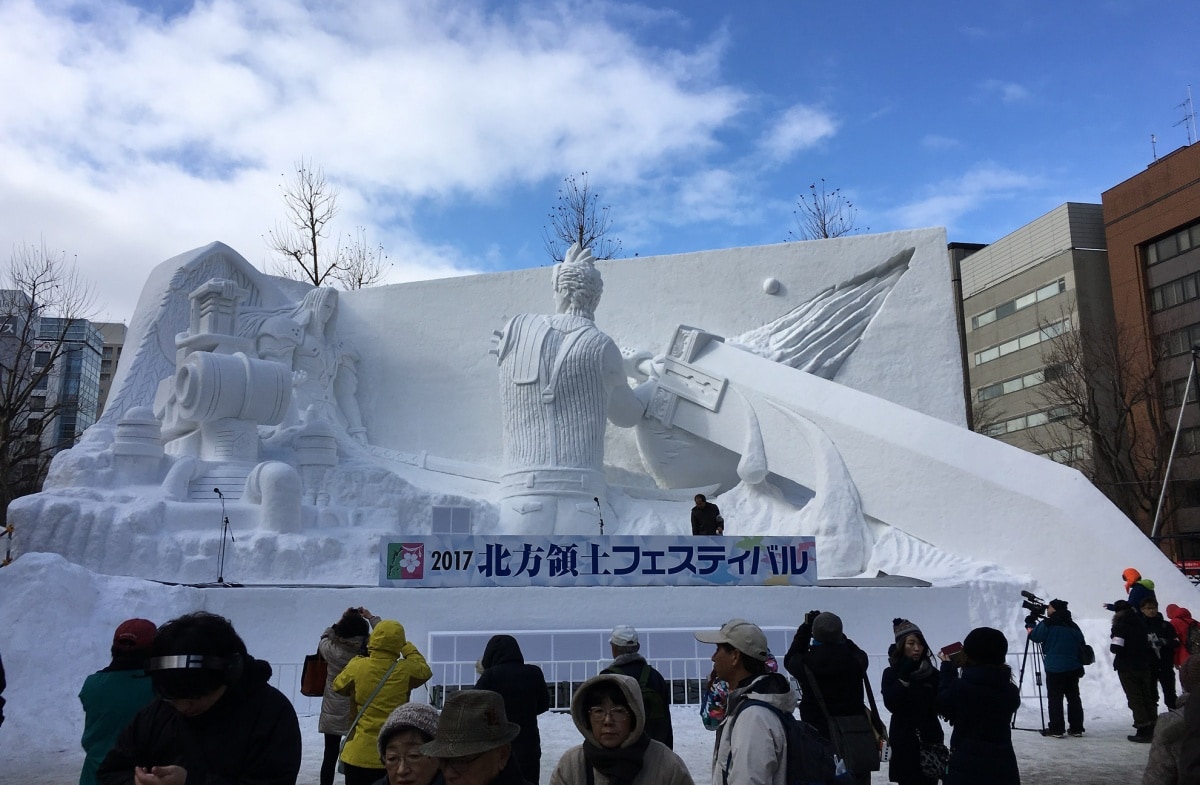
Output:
[[523, 688], [111, 697], [1137, 589], [216, 718], [980, 702], [339, 644], [751, 746], [392, 668], [839, 668], [1181, 619], [609, 711], [1162, 766], [1061, 640], [909, 688]]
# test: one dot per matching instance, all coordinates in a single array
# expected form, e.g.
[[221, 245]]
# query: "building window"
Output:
[[1025, 341], [1068, 456], [1017, 383], [41, 359], [1024, 301], [1180, 341], [37, 403], [1173, 393], [1178, 242], [1172, 293], [1031, 420]]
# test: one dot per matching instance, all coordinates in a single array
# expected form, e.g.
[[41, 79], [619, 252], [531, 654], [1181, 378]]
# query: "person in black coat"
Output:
[[839, 668], [216, 718], [980, 703], [909, 688], [627, 659], [706, 518], [1163, 640], [523, 688], [1134, 662]]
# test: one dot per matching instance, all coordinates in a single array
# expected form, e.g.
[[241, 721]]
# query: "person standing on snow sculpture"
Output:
[[706, 518], [560, 379]]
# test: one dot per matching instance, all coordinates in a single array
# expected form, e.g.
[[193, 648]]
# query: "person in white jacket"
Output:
[[608, 711], [752, 747]]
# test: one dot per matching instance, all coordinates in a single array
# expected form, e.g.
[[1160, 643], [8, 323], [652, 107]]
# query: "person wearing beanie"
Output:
[[391, 669], [523, 687], [407, 728], [340, 643], [838, 670], [656, 695], [909, 690], [1135, 662], [1061, 639], [979, 701], [112, 696], [1162, 767]]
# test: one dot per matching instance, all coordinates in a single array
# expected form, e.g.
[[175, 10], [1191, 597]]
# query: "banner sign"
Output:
[[444, 561]]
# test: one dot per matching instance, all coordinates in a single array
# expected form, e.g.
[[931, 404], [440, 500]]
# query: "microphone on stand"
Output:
[[217, 491], [600, 512]]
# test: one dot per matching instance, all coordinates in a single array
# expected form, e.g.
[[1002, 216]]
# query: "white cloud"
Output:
[[1009, 92], [799, 128], [939, 142], [128, 138], [948, 200]]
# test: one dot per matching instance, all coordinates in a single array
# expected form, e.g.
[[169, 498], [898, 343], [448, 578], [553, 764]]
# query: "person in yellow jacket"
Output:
[[360, 678]]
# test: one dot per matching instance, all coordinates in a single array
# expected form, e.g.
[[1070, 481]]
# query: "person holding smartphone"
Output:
[[979, 702]]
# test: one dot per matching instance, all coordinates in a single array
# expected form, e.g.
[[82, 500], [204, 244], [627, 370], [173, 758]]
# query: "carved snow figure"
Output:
[[303, 336], [561, 378]]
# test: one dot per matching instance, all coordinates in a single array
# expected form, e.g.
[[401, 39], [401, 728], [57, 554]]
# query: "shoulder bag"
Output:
[[314, 675], [350, 732], [855, 736]]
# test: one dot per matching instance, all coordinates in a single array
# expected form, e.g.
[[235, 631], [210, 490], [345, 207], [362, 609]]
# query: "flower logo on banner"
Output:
[[412, 561]]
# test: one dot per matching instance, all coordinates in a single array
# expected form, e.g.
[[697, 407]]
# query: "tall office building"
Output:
[[72, 388], [1020, 295], [1152, 221], [113, 334]]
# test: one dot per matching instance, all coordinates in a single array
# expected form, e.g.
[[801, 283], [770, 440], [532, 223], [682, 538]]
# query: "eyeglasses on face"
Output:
[[411, 759], [616, 713], [459, 765]]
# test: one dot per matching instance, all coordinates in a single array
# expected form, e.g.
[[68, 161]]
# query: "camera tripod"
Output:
[[1037, 680]]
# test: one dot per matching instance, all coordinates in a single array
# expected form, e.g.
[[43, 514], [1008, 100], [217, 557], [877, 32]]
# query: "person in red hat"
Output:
[[111, 697]]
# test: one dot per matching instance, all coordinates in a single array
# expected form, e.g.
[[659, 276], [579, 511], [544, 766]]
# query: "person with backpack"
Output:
[[751, 746], [1133, 660], [909, 689], [1061, 641], [656, 694], [608, 711]]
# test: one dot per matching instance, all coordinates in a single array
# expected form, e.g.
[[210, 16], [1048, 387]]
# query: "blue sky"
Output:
[[133, 132]]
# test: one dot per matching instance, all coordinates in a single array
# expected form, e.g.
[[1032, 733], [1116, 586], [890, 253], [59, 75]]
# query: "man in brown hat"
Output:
[[473, 744]]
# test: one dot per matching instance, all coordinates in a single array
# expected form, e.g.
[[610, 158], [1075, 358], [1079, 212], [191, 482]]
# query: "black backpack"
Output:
[[809, 754], [652, 699]]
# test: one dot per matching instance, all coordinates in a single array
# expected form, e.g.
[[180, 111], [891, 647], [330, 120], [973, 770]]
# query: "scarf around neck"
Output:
[[619, 766]]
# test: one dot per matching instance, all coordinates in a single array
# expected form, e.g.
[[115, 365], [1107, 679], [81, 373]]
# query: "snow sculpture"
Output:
[[303, 337], [560, 379]]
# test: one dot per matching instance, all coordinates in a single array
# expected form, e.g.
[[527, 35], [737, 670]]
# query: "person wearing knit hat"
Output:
[[407, 728], [822, 659], [909, 689], [112, 696], [1060, 640], [1162, 766], [980, 702]]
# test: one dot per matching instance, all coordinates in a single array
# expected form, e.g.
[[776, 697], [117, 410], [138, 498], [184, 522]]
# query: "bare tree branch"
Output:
[[578, 218], [824, 214], [311, 203], [359, 264], [42, 298]]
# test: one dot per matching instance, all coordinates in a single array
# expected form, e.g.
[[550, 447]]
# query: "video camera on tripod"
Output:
[[1036, 607]]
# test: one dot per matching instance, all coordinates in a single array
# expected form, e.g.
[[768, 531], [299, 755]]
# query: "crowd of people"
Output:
[[186, 702]]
